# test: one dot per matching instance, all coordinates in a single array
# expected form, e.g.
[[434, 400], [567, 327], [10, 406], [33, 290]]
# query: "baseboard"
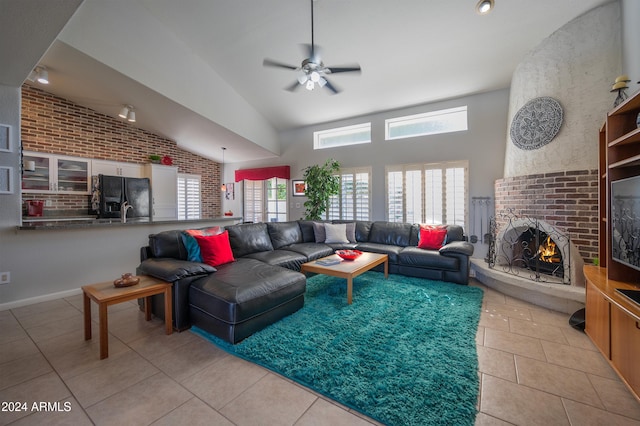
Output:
[[39, 299]]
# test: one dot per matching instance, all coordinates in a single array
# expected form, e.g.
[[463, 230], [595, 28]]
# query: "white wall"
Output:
[[631, 42], [577, 66], [482, 145]]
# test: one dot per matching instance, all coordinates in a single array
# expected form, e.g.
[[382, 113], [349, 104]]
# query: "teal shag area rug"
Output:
[[404, 353]]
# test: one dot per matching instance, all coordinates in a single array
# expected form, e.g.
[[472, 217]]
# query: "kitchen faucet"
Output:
[[123, 211]]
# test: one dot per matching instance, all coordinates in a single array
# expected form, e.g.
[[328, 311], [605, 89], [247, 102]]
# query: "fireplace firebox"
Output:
[[530, 247]]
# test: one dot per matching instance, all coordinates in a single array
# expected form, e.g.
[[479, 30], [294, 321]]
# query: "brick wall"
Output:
[[566, 200], [55, 125]]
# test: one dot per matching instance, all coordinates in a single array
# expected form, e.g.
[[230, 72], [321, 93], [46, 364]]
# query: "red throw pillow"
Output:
[[215, 249], [432, 237]]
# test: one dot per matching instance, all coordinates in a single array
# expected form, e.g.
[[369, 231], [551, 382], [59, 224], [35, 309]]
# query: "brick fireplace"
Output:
[[566, 201]]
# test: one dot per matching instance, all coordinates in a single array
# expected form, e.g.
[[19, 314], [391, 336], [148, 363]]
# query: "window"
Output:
[[188, 197], [354, 200], [253, 200], [265, 199], [342, 136], [430, 123], [276, 199], [427, 193]]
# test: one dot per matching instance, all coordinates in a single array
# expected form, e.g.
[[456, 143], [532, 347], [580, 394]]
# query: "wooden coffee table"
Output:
[[349, 269], [105, 294]]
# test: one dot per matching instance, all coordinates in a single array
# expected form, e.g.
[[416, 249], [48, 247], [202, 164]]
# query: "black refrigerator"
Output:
[[115, 190]]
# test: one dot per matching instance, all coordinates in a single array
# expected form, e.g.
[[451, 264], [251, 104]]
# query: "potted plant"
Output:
[[322, 183]]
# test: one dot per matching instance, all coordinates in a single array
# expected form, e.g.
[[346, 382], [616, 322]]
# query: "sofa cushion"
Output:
[[350, 229], [432, 237], [388, 249], [190, 243], [363, 229], [306, 228], [391, 233], [284, 233], [249, 238], [171, 270], [415, 256], [244, 289], [335, 233], [215, 249], [284, 258], [311, 251], [455, 233], [168, 244], [319, 232]]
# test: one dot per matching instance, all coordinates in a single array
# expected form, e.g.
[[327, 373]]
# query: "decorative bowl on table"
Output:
[[349, 254], [126, 280]]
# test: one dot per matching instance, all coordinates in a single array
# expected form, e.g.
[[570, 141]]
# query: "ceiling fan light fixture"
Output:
[[322, 82], [310, 85], [485, 6], [315, 76], [302, 78]]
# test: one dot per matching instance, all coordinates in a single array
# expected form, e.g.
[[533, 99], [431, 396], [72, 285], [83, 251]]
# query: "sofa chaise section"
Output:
[[243, 297]]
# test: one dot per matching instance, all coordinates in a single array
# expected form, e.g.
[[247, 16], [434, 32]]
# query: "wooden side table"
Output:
[[105, 294]]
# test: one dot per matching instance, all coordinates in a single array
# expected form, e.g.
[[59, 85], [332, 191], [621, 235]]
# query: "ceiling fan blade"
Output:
[[293, 87], [271, 63], [315, 53], [352, 68], [331, 87]]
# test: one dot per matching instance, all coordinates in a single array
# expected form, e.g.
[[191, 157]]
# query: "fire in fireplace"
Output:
[[539, 252]]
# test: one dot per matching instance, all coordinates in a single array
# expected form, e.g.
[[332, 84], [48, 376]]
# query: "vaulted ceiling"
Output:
[[193, 68]]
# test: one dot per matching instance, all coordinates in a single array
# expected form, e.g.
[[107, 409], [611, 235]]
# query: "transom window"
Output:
[[430, 123], [354, 200], [342, 136], [433, 193]]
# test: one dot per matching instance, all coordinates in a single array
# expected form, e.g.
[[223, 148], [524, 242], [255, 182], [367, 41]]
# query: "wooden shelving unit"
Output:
[[619, 151], [612, 321]]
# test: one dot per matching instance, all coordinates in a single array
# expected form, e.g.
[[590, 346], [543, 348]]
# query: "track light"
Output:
[[128, 113], [485, 6], [39, 74], [123, 112]]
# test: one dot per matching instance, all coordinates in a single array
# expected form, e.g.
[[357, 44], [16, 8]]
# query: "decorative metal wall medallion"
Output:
[[536, 123]]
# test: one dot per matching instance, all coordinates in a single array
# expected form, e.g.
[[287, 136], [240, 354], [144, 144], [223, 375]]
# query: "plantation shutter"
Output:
[[189, 197], [253, 201], [352, 202]]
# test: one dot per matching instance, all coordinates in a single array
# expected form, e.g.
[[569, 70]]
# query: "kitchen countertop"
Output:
[[79, 222]]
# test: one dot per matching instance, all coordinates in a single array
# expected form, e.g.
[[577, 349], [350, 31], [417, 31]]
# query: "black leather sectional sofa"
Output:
[[263, 284]]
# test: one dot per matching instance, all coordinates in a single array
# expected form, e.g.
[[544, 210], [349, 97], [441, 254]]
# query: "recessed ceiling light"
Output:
[[484, 6]]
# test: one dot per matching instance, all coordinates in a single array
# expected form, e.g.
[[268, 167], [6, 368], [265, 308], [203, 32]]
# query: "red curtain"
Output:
[[263, 173]]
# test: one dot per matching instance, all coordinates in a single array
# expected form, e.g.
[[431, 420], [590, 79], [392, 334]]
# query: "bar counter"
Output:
[[79, 222]]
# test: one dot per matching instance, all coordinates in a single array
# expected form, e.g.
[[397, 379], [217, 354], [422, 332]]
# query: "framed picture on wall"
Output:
[[299, 188], [5, 140]]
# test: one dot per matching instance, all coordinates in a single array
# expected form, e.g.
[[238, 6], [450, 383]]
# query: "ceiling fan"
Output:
[[312, 70]]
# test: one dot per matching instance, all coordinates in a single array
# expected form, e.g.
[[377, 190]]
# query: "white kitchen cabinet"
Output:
[[164, 191], [116, 168], [56, 174]]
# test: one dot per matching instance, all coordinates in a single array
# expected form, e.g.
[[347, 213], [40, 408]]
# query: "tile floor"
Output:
[[535, 370]]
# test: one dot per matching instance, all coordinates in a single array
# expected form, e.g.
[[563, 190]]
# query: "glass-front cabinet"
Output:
[[56, 173]]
